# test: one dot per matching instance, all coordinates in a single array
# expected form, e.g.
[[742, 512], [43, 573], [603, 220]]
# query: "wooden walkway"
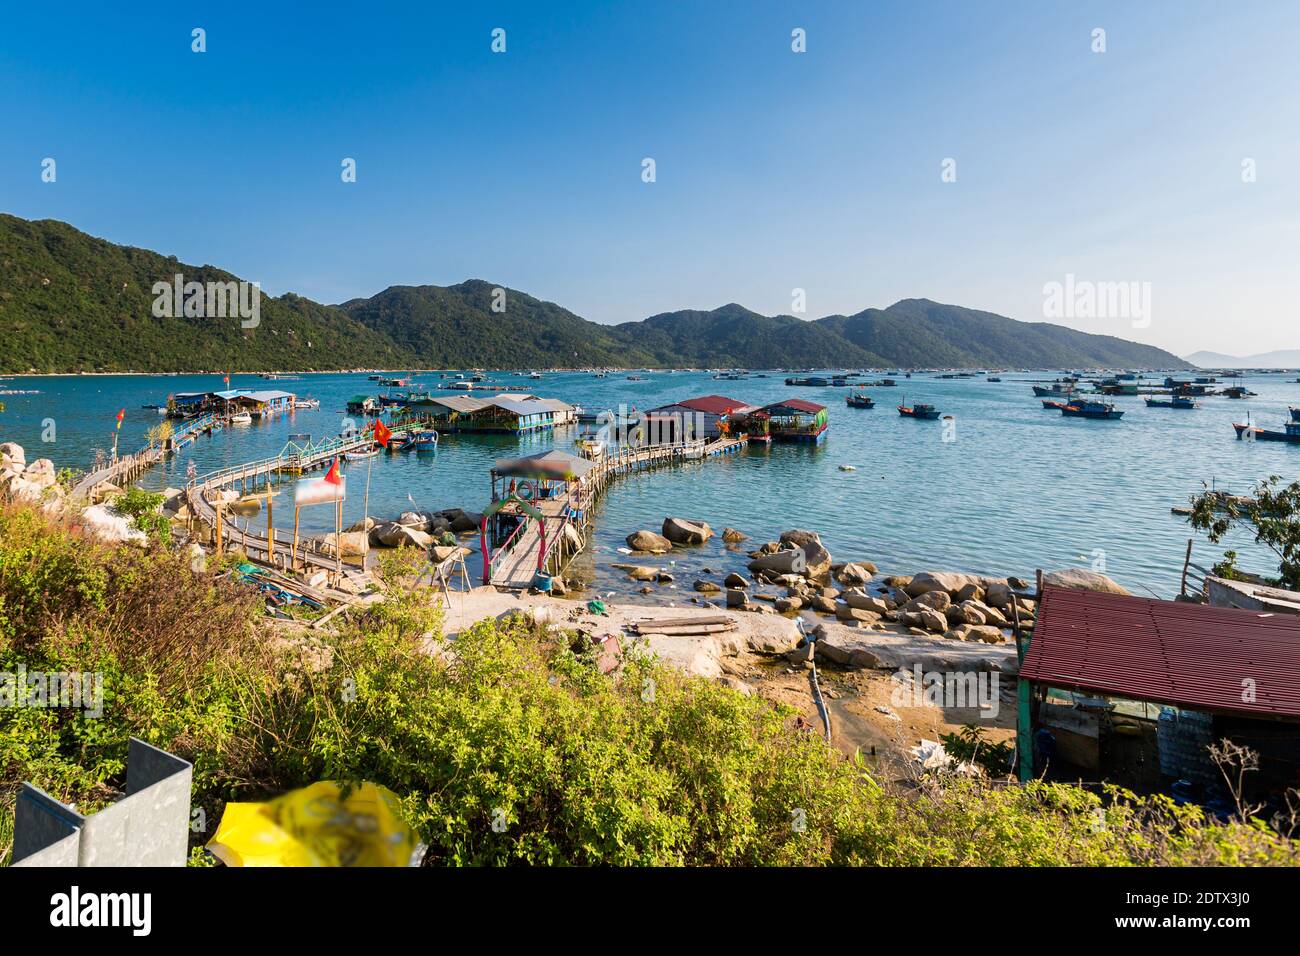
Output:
[[128, 468], [567, 519], [206, 497]]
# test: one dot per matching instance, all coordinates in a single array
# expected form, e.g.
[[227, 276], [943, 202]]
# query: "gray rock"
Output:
[[649, 541], [734, 580], [817, 558], [1082, 580], [684, 531]]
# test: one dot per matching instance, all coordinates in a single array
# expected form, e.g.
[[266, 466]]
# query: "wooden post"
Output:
[[338, 537], [1187, 559], [293, 556], [270, 531], [218, 548]]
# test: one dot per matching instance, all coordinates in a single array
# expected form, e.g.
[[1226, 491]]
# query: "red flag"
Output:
[[333, 476], [120, 415], [382, 434], [226, 379]]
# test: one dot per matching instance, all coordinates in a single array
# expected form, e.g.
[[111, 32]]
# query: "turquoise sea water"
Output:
[[1019, 488]]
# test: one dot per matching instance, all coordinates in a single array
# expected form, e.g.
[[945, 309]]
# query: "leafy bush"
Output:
[[506, 745]]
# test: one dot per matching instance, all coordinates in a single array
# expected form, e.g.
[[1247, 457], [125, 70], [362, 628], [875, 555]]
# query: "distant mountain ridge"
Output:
[[71, 302], [1281, 358]]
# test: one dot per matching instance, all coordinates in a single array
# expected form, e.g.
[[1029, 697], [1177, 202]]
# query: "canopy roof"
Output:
[[553, 464], [794, 406]]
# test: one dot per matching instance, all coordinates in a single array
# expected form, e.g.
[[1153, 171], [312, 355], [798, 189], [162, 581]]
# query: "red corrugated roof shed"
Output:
[[1189, 655], [798, 404], [710, 404]]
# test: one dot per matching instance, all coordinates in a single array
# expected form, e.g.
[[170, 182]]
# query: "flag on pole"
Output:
[[319, 491], [382, 434], [120, 415], [226, 379]]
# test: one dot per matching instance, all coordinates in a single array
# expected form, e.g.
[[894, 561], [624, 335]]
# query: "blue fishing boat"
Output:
[[859, 400], [919, 411], [1084, 408], [1176, 401], [1251, 433], [426, 440], [1295, 413]]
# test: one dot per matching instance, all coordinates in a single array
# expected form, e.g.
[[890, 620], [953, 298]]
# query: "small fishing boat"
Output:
[[362, 454], [1061, 388], [241, 418], [1176, 401], [993, 378], [859, 400], [1083, 408], [307, 403], [401, 441], [1251, 433], [1295, 413], [426, 440], [1052, 403], [919, 411], [1237, 391]]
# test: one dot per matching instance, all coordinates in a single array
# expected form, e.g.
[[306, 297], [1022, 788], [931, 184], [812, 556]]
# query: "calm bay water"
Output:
[[1019, 488]]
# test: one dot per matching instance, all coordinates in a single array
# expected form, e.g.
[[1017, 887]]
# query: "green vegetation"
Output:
[[507, 721], [144, 510], [71, 302], [1271, 513]]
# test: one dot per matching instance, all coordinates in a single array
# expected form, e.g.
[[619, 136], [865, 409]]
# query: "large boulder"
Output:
[[1082, 580], [997, 595], [855, 573], [934, 600], [40, 473], [817, 558], [684, 531], [792, 561], [864, 602], [731, 535], [413, 519], [351, 543], [649, 541], [12, 457], [107, 525], [949, 581]]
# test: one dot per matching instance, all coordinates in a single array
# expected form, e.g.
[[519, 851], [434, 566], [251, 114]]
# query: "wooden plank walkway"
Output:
[[514, 566]]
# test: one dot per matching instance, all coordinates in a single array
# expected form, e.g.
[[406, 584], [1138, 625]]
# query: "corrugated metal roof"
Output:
[[709, 404], [1189, 655], [795, 404], [555, 405], [457, 403], [520, 408], [268, 396]]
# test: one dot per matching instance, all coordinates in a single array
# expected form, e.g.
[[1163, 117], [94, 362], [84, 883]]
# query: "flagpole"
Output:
[[365, 513]]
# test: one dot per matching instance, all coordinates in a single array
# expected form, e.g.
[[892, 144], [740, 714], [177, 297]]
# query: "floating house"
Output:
[[504, 413], [1134, 691], [702, 417], [264, 404], [795, 420]]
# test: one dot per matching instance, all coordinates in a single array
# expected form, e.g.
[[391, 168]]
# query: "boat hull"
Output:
[[1260, 434]]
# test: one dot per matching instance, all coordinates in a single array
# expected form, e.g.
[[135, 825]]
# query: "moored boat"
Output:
[[1084, 408], [1176, 401], [859, 400], [426, 440], [362, 454], [919, 411], [1253, 433], [1295, 413], [1061, 388], [1052, 403], [241, 418]]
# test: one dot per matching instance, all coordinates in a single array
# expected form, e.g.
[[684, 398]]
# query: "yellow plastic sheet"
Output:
[[316, 826]]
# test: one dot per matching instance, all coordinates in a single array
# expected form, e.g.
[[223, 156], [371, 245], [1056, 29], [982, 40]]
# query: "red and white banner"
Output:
[[319, 491]]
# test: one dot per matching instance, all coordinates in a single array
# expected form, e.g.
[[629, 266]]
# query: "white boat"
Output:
[[241, 418], [306, 403], [362, 454]]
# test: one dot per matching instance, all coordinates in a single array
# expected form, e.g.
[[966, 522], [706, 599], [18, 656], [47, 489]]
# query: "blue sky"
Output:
[[775, 170]]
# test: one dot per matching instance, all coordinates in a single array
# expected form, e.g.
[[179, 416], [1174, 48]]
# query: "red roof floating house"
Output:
[[795, 420], [1114, 681], [701, 417]]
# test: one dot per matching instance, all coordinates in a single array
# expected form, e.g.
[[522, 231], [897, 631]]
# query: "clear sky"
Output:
[[775, 170]]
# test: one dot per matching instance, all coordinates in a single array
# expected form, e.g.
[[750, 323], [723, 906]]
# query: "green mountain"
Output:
[[456, 327], [70, 302], [918, 332], [735, 337]]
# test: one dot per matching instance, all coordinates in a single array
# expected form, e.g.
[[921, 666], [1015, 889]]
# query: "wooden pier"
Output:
[[128, 468], [566, 519]]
